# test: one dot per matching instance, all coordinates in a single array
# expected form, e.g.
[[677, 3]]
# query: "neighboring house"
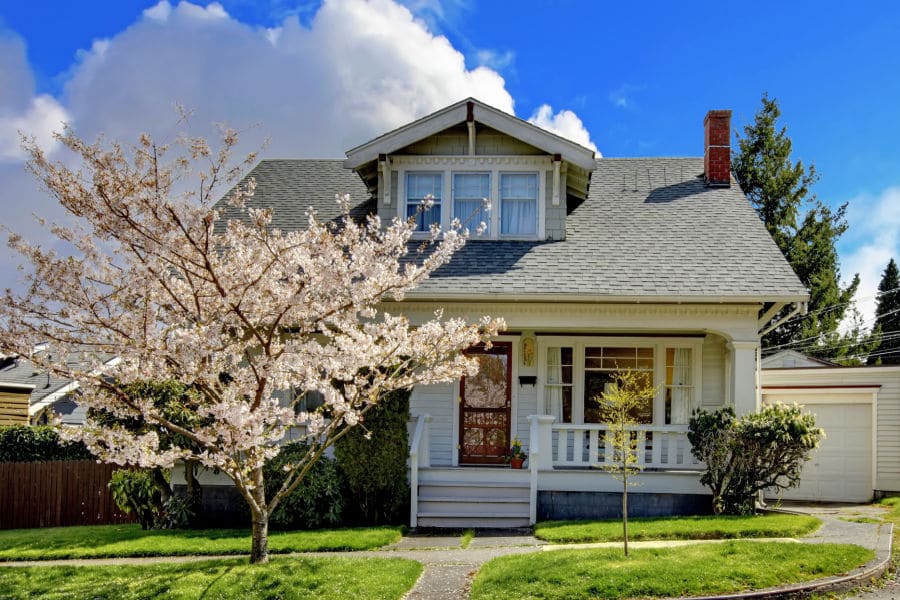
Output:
[[859, 409], [597, 264], [30, 395]]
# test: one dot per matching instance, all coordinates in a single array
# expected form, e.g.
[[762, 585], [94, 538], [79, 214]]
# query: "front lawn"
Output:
[[98, 541], [678, 528], [283, 577], [701, 569]]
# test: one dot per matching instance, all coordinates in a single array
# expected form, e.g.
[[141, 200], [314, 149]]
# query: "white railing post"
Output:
[[669, 448], [416, 451]]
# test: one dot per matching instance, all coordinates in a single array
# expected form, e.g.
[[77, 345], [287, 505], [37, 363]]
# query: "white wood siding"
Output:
[[437, 401]]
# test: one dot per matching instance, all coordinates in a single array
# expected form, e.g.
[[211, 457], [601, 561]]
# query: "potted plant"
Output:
[[516, 455]]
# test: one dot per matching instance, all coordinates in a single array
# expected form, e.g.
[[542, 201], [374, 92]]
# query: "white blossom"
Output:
[[236, 310]]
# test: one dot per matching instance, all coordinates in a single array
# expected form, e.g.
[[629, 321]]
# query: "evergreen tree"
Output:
[[779, 190], [887, 317]]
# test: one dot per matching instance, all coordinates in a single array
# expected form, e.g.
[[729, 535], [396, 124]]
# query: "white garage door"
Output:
[[840, 469]]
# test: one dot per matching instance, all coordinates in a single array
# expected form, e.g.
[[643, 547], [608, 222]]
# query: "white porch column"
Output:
[[745, 394]]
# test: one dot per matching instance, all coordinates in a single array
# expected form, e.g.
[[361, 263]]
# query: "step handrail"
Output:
[[418, 449]]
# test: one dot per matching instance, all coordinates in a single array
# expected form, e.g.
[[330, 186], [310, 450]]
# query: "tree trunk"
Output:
[[165, 490], [259, 551], [625, 510], [194, 490]]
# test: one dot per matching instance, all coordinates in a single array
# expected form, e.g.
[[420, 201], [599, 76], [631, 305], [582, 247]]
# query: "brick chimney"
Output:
[[717, 148]]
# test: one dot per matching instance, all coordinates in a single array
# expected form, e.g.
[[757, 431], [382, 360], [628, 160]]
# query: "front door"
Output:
[[484, 407]]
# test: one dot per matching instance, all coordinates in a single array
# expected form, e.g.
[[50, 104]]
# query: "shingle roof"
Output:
[[650, 228], [290, 187]]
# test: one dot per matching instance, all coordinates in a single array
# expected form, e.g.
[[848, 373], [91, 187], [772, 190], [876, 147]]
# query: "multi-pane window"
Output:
[[560, 367], [600, 366], [679, 386], [470, 190], [418, 187], [518, 203]]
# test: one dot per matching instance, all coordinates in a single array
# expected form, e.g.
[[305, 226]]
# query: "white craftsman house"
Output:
[[659, 265]]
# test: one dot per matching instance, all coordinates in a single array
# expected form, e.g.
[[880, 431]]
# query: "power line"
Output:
[[815, 337], [833, 307]]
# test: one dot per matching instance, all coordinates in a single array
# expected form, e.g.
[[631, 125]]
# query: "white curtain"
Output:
[[518, 217], [682, 387], [554, 379]]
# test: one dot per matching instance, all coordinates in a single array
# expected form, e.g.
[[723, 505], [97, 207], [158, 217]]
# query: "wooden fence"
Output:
[[57, 493]]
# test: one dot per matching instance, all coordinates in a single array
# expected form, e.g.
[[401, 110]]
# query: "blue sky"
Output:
[[636, 81]]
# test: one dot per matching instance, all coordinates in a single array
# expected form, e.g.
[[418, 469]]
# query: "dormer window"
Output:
[[518, 204], [418, 187], [469, 193]]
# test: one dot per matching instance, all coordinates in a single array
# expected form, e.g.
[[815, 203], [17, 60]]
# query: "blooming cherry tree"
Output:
[[236, 310]]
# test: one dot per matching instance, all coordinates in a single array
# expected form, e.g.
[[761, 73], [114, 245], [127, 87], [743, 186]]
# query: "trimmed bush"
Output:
[[316, 502], [765, 449], [372, 457], [24, 443]]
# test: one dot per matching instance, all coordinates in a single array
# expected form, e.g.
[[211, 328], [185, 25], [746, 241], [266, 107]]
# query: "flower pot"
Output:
[[516, 463]]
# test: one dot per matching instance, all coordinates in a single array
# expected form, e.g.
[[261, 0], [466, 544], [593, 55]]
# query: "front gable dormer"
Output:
[[469, 151]]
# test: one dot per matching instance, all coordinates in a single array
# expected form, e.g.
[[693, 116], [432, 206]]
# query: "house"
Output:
[[29, 395], [859, 409], [597, 264]]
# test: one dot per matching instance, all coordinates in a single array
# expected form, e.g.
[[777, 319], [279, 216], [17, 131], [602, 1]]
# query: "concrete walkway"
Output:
[[449, 569]]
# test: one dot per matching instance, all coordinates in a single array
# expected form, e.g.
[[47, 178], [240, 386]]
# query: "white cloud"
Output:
[[565, 123], [355, 70], [872, 239], [40, 120], [20, 110], [494, 59], [623, 96]]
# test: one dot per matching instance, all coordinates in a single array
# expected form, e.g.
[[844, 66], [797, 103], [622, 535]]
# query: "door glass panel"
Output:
[[484, 408]]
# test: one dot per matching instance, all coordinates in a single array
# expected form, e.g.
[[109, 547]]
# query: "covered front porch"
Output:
[[563, 478]]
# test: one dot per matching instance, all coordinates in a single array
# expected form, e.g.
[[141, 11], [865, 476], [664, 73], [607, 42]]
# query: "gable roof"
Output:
[[789, 359], [458, 113], [650, 230]]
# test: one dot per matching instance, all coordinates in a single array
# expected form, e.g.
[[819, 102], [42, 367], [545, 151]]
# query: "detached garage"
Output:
[[859, 409]]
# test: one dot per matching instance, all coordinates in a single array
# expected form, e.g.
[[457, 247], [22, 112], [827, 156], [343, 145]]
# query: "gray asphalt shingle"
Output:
[[649, 228]]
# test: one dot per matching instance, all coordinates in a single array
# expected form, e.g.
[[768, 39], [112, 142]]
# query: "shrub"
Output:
[[765, 449], [372, 457], [316, 502], [23, 443], [136, 490]]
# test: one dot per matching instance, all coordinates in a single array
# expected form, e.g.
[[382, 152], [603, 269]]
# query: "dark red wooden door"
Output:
[[485, 407]]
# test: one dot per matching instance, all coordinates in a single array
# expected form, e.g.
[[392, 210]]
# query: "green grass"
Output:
[[701, 569], [98, 541], [283, 577], [467, 536], [860, 520], [678, 528]]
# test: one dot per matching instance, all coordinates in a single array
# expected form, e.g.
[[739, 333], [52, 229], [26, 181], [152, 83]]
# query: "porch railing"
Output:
[[658, 446], [418, 456]]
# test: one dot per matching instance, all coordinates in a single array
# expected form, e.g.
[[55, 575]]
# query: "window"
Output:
[[469, 193], [518, 203], [308, 401], [560, 366], [418, 187], [679, 386], [600, 366]]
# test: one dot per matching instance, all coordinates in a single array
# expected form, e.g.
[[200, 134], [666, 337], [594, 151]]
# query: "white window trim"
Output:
[[579, 343], [493, 165], [404, 201]]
